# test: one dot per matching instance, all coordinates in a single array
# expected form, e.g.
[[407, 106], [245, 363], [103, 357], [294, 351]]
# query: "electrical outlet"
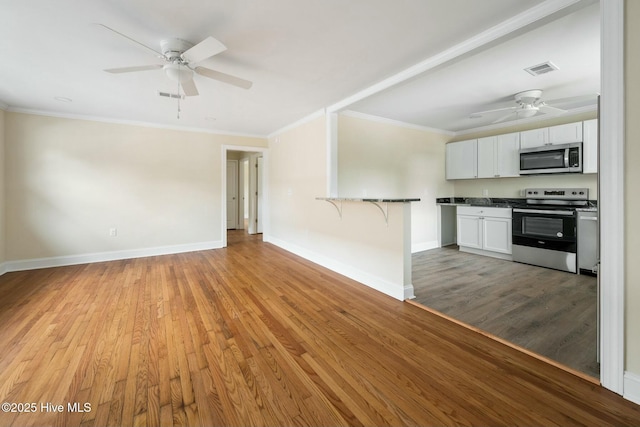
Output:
[[485, 192], [113, 232]]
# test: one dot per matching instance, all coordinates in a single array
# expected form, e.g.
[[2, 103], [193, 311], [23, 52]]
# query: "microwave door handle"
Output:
[[566, 157]]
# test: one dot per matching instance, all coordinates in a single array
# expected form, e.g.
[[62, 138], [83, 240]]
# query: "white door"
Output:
[[259, 199], [462, 159], [469, 231], [232, 194], [508, 155], [534, 138], [487, 157], [496, 235]]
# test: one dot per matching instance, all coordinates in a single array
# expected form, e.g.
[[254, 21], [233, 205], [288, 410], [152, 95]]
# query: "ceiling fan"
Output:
[[529, 103], [180, 58]]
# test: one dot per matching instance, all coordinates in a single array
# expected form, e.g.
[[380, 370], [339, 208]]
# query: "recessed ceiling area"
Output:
[[449, 96], [300, 55]]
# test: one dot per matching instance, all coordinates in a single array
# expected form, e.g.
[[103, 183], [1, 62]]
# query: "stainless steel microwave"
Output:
[[563, 158]]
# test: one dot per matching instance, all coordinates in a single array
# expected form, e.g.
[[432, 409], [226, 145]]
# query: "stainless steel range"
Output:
[[544, 227]]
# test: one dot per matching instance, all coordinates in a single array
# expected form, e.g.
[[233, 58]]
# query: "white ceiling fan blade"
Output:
[[547, 109], [132, 69], [159, 54], [203, 50], [189, 88], [483, 113], [505, 117], [225, 78]]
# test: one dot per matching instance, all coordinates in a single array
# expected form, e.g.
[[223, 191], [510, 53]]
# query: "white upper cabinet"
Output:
[[534, 138], [554, 135], [590, 146], [462, 159], [564, 134], [498, 156]]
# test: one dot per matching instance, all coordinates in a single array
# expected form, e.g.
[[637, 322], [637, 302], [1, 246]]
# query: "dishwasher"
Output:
[[587, 242]]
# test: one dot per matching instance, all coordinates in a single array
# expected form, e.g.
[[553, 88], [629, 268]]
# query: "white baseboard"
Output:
[[424, 246], [399, 292], [32, 264], [632, 387]]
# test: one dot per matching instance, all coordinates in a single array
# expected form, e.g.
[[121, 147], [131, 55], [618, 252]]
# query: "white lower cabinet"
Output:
[[485, 231]]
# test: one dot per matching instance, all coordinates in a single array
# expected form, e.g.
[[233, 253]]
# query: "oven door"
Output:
[[545, 237]]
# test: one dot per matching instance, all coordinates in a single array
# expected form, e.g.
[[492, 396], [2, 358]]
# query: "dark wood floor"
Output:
[[550, 312], [253, 335]]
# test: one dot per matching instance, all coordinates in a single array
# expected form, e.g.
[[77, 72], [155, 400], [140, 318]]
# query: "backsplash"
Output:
[[512, 187]]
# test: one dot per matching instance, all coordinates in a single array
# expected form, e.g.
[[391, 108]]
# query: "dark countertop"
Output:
[[496, 202], [372, 200]]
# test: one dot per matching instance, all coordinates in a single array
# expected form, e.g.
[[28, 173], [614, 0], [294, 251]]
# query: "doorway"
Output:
[[244, 189]]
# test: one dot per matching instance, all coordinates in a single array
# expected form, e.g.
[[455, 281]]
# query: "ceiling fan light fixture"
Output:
[[178, 73]]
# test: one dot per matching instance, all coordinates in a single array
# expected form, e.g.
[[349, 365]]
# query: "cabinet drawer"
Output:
[[484, 211]]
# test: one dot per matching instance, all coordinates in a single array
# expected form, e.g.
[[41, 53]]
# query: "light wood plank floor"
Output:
[[253, 335], [550, 312]]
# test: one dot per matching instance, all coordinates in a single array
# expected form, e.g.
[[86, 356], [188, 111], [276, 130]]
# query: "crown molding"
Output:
[[399, 123], [130, 122], [306, 119]]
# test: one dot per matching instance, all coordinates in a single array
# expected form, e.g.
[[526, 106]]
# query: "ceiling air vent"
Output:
[[544, 68], [171, 95]]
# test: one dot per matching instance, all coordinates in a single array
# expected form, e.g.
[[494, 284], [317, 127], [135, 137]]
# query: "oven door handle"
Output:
[[546, 212]]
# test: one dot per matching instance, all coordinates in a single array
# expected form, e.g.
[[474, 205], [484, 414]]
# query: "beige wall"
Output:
[[632, 178], [2, 186], [68, 182], [359, 245], [377, 159]]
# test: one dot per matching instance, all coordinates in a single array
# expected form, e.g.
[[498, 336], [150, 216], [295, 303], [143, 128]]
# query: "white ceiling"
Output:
[[302, 56], [445, 98]]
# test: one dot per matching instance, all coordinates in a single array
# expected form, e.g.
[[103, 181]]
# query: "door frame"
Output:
[[264, 151], [237, 200]]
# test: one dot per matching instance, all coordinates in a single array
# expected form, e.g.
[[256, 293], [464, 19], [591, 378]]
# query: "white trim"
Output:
[[424, 246], [59, 261], [397, 291], [332, 154], [265, 186], [611, 196], [4, 268], [297, 123], [632, 387], [378, 119], [130, 122], [528, 17]]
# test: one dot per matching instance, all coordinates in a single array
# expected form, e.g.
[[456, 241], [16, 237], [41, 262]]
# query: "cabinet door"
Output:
[[507, 155], [590, 146], [534, 138], [461, 159], [564, 134], [469, 231], [496, 234], [487, 157]]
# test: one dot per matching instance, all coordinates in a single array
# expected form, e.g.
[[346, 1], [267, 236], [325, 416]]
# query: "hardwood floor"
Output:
[[253, 335], [550, 312]]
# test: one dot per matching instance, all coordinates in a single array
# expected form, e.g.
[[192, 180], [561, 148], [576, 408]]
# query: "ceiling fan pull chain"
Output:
[[179, 96]]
